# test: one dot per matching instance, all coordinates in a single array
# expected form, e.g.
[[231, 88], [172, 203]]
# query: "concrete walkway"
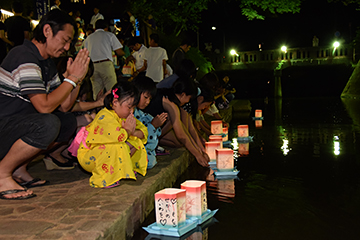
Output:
[[69, 208]]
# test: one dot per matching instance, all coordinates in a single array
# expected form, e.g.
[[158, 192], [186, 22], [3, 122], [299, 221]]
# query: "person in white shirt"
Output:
[[136, 44], [155, 59], [100, 45], [56, 5], [97, 15]]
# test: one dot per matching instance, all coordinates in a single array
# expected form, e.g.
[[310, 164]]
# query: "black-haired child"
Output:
[[112, 147], [147, 90]]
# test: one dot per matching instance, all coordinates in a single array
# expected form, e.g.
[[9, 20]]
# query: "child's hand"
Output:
[[159, 120], [129, 124]]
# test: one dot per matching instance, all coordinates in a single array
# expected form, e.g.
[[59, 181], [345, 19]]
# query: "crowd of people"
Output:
[[77, 107]]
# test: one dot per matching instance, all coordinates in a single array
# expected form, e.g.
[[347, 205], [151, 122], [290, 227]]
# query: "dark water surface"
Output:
[[299, 180]]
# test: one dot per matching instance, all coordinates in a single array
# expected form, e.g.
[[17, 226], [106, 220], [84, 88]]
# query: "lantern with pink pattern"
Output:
[[215, 138], [170, 207], [224, 159], [196, 200], [243, 130], [258, 113], [216, 127], [210, 148]]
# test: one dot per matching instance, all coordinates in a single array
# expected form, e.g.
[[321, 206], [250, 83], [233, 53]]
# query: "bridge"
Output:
[[278, 59]]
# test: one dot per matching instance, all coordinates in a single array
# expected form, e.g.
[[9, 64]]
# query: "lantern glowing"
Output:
[[224, 159], [243, 130], [210, 148], [170, 206], [216, 127], [196, 200], [258, 113], [215, 138]]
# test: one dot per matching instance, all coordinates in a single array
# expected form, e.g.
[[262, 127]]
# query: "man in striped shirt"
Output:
[[30, 90]]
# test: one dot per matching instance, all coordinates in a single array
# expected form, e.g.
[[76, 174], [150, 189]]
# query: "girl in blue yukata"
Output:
[[147, 90]]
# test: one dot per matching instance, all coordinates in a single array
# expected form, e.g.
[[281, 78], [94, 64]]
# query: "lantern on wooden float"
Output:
[[224, 159], [216, 127], [196, 199], [170, 206]]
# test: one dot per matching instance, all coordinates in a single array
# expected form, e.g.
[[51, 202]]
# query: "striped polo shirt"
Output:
[[24, 71]]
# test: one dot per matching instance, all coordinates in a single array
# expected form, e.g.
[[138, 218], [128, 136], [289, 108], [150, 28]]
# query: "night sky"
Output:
[[328, 21]]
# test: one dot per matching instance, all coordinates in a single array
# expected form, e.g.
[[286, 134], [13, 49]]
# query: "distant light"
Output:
[[35, 22], [336, 44], [285, 147], [233, 52], [284, 48], [10, 14], [336, 141], [213, 28]]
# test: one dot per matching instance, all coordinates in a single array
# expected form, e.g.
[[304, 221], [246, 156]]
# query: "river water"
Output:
[[299, 178]]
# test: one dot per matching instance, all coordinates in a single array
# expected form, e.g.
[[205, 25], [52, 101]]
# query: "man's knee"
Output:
[[43, 132]]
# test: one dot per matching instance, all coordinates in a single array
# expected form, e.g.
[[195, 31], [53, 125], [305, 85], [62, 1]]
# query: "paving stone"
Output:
[[69, 209]]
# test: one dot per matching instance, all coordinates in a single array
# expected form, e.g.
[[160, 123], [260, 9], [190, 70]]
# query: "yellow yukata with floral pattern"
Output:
[[107, 155]]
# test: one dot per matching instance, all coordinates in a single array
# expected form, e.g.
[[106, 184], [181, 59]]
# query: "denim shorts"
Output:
[[38, 130]]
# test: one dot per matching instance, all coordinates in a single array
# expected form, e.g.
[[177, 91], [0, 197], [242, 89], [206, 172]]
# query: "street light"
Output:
[[335, 45], [233, 52], [284, 49], [213, 28]]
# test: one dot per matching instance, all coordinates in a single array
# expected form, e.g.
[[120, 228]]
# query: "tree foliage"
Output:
[[254, 9], [185, 14], [169, 14]]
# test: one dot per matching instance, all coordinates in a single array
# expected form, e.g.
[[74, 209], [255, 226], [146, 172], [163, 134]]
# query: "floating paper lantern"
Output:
[[225, 131], [215, 138], [196, 200], [243, 148], [170, 206], [243, 130], [224, 159], [258, 113], [210, 149], [216, 127]]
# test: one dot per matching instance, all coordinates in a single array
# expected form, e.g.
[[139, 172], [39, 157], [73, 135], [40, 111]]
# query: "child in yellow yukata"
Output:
[[113, 143]]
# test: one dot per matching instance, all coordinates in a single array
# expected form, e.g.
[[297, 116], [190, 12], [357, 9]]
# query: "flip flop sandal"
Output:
[[30, 184], [7, 192]]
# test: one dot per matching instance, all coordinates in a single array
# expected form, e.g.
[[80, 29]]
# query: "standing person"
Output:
[[155, 59], [179, 53], [18, 28], [26, 123], [113, 148], [97, 15], [56, 5], [3, 39], [100, 45], [136, 44]]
